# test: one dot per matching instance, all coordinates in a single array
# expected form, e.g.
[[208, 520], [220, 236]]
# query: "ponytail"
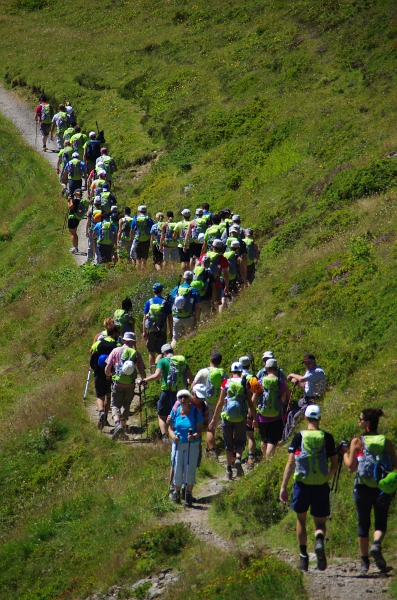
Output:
[[372, 415]]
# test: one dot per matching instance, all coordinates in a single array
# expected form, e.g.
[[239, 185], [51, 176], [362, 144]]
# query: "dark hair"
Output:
[[126, 304], [127, 210], [372, 415], [61, 107], [114, 331], [169, 213], [216, 358], [43, 98], [77, 128], [205, 206], [216, 219]]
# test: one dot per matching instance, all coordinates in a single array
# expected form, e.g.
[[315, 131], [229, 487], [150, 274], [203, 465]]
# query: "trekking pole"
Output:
[[140, 406], [289, 403], [35, 139], [188, 448], [87, 384]]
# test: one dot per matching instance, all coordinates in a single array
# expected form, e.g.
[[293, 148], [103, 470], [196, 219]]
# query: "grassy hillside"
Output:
[[284, 112]]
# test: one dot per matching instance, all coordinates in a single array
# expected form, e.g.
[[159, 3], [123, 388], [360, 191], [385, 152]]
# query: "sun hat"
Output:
[[166, 348], [313, 411], [200, 390], [129, 336], [271, 363], [268, 354]]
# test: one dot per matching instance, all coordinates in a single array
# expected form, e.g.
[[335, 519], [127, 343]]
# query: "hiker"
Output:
[[371, 457], [313, 384], [77, 207], [168, 244], [185, 301], [123, 316], [78, 140], [232, 255], [94, 210], [270, 399], [96, 186], [186, 428], [122, 366], [262, 372], [235, 234], [155, 235], [194, 238], [219, 266], [141, 226], [214, 232], [71, 116], [60, 123], [245, 362], [253, 254], [157, 316], [75, 169], [100, 351], [180, 234], [204, 282], [92, 151], [232, 407], [104, 235], [43, 115], [109, 201], [175, 375], [106, 163], [212, 378], [309, 453], [123, 236], [64, 156], [206, 212]]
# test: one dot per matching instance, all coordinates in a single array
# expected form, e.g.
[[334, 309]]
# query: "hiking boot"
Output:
[[189, 500], [101, 422], [229, 474], [238, 467], [251, 462], [176, 497], [364, 565], [73, 250], [164, 438], [303, 564], [376, 552], [320, 554], [183, 492], [44, 148], [118, 430], [212, 454], [171, 493]]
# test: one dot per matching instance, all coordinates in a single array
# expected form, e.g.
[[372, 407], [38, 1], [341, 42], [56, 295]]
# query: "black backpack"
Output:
[[93, 150], [105, 347]]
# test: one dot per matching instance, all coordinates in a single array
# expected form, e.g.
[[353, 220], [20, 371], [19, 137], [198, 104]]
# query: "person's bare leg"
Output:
[[163, 424], [301, 528]]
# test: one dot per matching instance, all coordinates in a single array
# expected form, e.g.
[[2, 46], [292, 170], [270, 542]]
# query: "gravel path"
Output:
[[22, 115]]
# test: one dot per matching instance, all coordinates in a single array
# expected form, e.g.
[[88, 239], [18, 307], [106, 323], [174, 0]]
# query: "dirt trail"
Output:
[[22, 115]]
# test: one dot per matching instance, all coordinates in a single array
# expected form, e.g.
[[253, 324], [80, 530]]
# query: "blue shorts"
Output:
[[166, 402], [315, 496]]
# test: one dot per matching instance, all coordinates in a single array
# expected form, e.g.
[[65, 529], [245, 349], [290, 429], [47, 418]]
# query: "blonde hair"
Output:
[[159, 216]]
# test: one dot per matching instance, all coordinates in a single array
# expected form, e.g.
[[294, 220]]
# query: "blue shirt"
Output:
[[182, 423], [149, 221], [97, 229], [315, 384], [195, 293], [157, 300]]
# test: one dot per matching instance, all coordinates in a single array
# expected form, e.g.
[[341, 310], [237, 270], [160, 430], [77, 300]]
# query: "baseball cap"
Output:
[[236, 367], [142, 208], [217, 244], [166, 348], [97, 200], [75, 155], [308, 357], [101, 172], [129, 336], [235, 244], [235, 228], [271, 363], [92, 134], [236, 218], [313, 411], [114, 209], [268, 354], [185, 212], [188, 275], [158, 287], [199, 211], [200, 390], [244, 361]]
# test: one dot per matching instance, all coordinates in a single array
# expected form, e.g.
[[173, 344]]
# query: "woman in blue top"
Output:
[[186, 427]]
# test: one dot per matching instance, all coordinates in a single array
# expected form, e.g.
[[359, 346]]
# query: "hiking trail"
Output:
[[21, 115]]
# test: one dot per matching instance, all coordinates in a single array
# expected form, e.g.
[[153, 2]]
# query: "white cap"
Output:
[[268, 354], [200, 390], [235, 228], [271, 363], [217, 244], [97, 200], [142, 208], [114, 208], [75, 155], [92, 134], [244, 361], [69, 109], [199, 211], [236, 218], [236, 367], [101, 172], [313, 411], [235, 244], [185, 212]]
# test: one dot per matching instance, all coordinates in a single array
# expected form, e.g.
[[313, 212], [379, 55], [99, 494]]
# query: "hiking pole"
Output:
[[289, 403], [35, 139], [140, 406], [87, 384], [190, 432]]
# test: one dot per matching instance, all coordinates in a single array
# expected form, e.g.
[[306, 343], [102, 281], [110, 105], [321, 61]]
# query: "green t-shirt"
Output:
[[164, 365], [67, 149]]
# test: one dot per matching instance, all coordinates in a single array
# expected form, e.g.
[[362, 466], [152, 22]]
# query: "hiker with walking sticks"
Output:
[[186, 427], [309, 453], [373, 458]]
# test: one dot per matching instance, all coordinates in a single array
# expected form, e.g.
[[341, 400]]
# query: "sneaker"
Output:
[[189, 500], [238, 467], [303, 564], [164, 438], [101, 421], [212, 454], [73, 250], [176, 497], [321, 558], [171, 493], [376, 552], [44, 148], [251, 462], [183, 492], [364, 566], [229, 474], [117, 431]]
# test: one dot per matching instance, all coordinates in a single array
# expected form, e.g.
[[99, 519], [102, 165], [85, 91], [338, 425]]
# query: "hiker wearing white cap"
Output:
[[122, 366], [92, 151], [97, 184], [106, 163], [155, 235], [198, 226], [180, 234], [185, 300], [245, 362], [168, 241], [141, 226], [309, 453], [157, 317], [75, 169], [60, 122]]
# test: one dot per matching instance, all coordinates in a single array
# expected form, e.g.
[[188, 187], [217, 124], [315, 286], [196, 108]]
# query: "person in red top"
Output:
[[221, 274], [43, 116]]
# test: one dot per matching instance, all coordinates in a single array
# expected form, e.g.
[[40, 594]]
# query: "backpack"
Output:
[[311, 465], [251, 255], [93, 150], [126, 228], [78, 142], [183, 231], [46, 114], [213, 384], [200, 226], [142, 228], [126, 370], [106, 233], [376, 463], [214, 263], [213, 233], [157, 233], [61, 123], [81, 209], [232, 260], [234, 409], [75, 169], [183, 303], [155, 318], [177, 375], [71, 118], [97, 359], [200, 280], [269, 403], [169, 232], [106, 163], [122, 318], [66, 156]]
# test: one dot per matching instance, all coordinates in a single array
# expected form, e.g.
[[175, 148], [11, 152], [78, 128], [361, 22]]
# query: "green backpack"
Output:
[[155, 319], [234, 409], [200, 280], [311, 465], [232, 260], [142, 230], [177, 375], [213, 385], [269, 404], [183, 303], [249, 242], [126, 370], [106, 233]]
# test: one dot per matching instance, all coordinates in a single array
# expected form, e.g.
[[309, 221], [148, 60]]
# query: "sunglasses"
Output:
[[184, 397]]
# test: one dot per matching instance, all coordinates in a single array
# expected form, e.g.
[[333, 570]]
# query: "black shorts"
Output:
[[157, 255], [271, 432], [166, 402], [142, 249], [366, 499], [102, 385], [45, 128], [251, 273], [184, 256], [155, 340], [73, 223], [195, 249], [315, 496], [105, 253]]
